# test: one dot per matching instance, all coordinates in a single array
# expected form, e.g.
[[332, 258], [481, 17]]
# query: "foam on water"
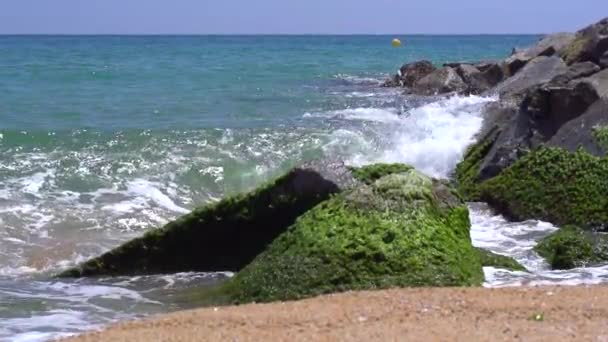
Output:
[[517, 240]]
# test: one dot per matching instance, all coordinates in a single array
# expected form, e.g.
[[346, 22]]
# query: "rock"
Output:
[[603, 62], [575, 71], [599, 82], [550, 45], [489, 259], [552, 105], [412, 72], [227, 235], [589, 44], [402, 229], [440, 81], [555, 185], [479, 81], [571, 247], [584, 131], [538, 71], [505, 137], [514, 63]]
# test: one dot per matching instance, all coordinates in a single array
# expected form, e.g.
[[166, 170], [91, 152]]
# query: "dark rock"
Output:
[[580, 131], [575, 71], [227, 235], [538, 71], [440, 81], [599, 82], [547, 46], [604, 60], [412, 72], [479, 81], [552, 105], [589, 44]]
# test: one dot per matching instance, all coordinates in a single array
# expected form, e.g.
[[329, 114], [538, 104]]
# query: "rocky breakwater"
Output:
[[542, 152], [321, 228]]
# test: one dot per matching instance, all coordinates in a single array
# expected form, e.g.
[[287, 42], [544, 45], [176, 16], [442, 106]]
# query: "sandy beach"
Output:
[[439, 314]]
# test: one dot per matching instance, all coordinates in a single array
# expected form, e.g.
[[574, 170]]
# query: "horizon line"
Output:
[[272, 34]]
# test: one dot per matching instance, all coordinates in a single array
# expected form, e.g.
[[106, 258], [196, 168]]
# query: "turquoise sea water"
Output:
[[104, 137]]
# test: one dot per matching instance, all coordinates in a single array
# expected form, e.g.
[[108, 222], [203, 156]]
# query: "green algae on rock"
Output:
[[600, 133], [371, 173], [554, 185], [489, 259], [227, 235], [467, 171], [572, 247], [403, 229]]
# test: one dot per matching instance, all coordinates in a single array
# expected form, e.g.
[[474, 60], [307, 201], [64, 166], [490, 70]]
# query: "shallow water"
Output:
[[103, 138]]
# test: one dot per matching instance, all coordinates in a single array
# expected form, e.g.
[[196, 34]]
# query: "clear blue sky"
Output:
[[296, 16]]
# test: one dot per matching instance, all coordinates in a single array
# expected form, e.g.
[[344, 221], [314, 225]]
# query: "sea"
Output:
[[105, 137]]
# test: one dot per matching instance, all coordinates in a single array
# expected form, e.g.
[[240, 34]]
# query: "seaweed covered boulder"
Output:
[[227, 235], [490, 259], [571, 247], [397, 229], [554, 185]]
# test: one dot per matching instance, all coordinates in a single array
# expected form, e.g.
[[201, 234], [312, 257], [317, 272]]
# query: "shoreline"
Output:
[[529, 313]]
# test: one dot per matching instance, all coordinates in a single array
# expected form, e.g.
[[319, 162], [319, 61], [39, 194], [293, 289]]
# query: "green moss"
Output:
[[489, 259], [218, 237], [370, 173], [571, 247], [575, 50], [554, 185], [401, 230], [601, 136], [467, 171]]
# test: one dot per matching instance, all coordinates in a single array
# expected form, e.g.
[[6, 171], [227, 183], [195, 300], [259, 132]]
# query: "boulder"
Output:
[[402, 229], [440, 81], [603, 62], [547, 46], [538, 71], [554, 185], [576, 70], [589, 44], [412, 72], [478, 81], [227, 235], [584, 131], [599, 82], [489, 259], [572, 247]]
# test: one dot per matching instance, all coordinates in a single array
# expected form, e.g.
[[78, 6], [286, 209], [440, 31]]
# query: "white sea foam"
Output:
[[517, 240]]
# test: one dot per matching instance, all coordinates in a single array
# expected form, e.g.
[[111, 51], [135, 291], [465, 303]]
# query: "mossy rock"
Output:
[[576, 51], [554, 185], [371, 173], [467, 171], [228, 235], [489, 259], [600, 133], [403, 229], [572, 247]]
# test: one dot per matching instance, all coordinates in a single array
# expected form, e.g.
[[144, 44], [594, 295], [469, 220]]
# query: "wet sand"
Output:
[[440, 314]]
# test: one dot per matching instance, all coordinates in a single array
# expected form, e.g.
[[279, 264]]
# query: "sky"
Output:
[[296, 16]]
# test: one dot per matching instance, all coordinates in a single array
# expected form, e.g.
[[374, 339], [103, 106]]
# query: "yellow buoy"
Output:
[[396, 42]]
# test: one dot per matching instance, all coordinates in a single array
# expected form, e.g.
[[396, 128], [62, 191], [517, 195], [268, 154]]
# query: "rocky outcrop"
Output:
[[571, 247], [555, 185], [589, 44], [225, 236], [480, 80], [440, 81], [584, 131], [548, 46], [401, 229], [538, 71], [410, 73]]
